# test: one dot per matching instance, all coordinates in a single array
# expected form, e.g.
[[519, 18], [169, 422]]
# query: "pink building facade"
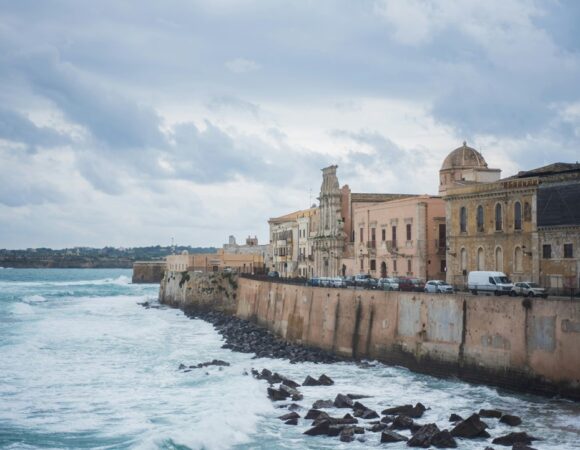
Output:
[[403, 237]]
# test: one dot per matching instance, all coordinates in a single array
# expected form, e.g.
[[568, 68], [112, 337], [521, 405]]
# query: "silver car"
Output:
[[529, 289], [388, 284], [438, 287]]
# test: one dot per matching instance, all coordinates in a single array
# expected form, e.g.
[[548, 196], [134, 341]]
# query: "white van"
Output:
[[489, 282]]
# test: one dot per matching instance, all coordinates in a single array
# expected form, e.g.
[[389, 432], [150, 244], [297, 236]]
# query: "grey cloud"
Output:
[[16, 127], [225, 102]]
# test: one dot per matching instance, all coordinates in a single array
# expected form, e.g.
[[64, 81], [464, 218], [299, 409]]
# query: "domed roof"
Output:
[[463, 157]]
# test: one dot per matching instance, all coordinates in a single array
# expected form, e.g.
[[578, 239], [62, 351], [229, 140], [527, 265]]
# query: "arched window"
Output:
[[517, 216], [518, 259], [480, 259], [463, 260], [463, 220], [499, 259], [498, 218], [383, 269], [479, 218]]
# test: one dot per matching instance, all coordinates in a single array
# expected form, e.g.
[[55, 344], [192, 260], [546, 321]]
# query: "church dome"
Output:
[[463, 157]]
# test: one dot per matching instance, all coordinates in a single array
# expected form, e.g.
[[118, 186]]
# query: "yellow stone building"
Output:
[[527, 225]]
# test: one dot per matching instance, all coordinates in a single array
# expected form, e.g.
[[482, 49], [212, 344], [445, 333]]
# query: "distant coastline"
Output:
[[89, 258]]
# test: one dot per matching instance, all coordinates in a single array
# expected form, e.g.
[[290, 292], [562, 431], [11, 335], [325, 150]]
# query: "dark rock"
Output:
[[319, 430], [408, 410], [369, 414], [347, 434], [387, 419], [513, 438], [342, 401], [470, 428], [291, 422], [313, 414], [294, 407], [325, 380], [359, 430], [277, 394], [402, 422], [289, 416], [488, 448], [512, 421], [455, 418], [335, 429], [293, 393], [181, 367], [520, 446], [443, 439], [309, 381], [377, 427], [423, 436], [416, 427], [323, 404], [388, 436], [357, 396], [290, 383], [490, 413]]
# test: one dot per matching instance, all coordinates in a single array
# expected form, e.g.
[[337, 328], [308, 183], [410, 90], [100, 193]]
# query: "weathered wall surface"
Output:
[[529, 345], [217, 291], [148, 271]]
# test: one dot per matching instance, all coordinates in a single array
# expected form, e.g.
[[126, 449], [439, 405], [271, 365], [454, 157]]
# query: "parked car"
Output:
[[349, 280], [372, 283], [481, 281], [388, 284], [362, 279], [324, 281], [313, 282], [529, 289], [273, 274], [438, 287], [411, 284], [338, 282]]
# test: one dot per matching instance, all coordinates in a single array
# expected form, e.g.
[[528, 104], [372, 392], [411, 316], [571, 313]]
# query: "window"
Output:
[[546, 251], [362, 264], [395, 265], [409, 266], [373, 264], [518, 259], [479, 219], [443, 267], [373, 237], [499, 259], [568, 251], [409, 236], [480, 259], [463, 220], [384, 234], [362, 234], [394, 235], [527, 212], [517, 216], [498, 218]]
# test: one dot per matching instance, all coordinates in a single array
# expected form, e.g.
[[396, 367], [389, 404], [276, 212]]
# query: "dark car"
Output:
[[313, 282], [349, 280], [411, 284], [273, 274]]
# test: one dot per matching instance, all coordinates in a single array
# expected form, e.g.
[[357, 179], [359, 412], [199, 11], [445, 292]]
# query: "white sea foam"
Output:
[[34, 299], [22, 309]]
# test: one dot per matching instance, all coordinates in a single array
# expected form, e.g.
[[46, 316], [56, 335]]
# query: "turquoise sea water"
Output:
[[83, 365]]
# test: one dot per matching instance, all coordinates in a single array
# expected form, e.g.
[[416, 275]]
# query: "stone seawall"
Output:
[[529, 345], [524, 344], [148, 271], [193, 290]]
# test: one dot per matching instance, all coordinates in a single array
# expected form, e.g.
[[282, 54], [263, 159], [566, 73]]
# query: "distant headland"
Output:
[[90, 258]]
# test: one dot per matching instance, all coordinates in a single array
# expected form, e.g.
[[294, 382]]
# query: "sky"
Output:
[[129, 123]]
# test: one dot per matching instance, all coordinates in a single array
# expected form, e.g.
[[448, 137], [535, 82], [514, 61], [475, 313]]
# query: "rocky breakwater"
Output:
[[395, 424], [246, 337]]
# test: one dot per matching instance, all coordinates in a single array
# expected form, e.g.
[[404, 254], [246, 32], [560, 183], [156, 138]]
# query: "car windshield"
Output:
[[533, 285], [504, 280]]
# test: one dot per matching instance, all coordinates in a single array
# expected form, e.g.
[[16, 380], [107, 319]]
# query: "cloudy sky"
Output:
[[127, 123]]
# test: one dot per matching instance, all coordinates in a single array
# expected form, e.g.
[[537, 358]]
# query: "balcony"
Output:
[[392, 246], [440, 246]]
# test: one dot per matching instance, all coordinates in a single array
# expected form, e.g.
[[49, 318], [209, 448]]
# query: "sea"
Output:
[[84, 365]]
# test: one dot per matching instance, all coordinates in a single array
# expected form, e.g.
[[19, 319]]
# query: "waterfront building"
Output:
[[285, 232], [404, 237], [527, 225], [213, 262]]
